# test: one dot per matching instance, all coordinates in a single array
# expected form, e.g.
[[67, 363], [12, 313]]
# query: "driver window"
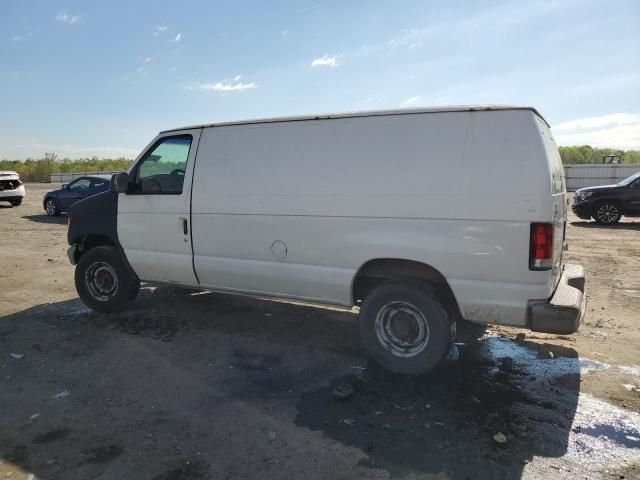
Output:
[[162, 169], [79, 185]]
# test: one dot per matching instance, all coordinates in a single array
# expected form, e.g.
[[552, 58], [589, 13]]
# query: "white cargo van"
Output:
[[420, 217]]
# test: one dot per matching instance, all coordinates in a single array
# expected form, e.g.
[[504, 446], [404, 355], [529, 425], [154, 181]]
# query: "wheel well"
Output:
[[378, 271], [615, 201], [92, 241]]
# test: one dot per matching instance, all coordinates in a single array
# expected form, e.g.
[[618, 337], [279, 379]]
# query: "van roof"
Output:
[[367, 113]]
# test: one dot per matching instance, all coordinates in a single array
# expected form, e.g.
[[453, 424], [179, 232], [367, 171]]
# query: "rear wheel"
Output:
[[103, 280], [51, 207], [17, 202], [405, 328], [607, 213]]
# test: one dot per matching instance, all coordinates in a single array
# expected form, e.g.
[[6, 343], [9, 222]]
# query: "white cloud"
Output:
[[285, 32], [64, 17], [226, 87], [410, 101], [310, 7], [616, 130], [237, 78], [325, 61], [602, 121], [177, 38], [158, 29], [147, 60], [17, 38]]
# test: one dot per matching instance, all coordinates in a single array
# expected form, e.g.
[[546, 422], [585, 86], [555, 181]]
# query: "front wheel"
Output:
[[103, 280], [607, 213], [17, 202], [51, 207], [405, 328]]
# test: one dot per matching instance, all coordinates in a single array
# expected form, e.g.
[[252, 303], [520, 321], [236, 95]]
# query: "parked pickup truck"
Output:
[[420, 218], [606, 204]]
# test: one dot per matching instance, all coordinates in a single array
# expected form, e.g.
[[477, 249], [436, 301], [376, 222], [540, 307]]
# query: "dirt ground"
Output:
[[196, 385]]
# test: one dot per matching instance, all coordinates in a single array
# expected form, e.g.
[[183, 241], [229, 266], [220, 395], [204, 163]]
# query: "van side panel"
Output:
[[454, 190], [558, 197]]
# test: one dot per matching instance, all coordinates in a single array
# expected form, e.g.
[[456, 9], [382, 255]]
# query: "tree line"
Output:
[[40, 170], [587, 154]]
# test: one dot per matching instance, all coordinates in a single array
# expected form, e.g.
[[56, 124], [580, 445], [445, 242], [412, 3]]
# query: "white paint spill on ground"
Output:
[[631, 369], [527, 361], [78, 311], [602, 435]]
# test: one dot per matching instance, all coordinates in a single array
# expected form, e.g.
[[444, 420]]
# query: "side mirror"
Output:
[[120, 183], [64, 185]]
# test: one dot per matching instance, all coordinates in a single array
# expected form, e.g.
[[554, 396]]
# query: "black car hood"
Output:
[[599, 188]]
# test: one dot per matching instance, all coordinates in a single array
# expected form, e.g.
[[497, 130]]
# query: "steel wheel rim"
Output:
[[51, 207], [402, 329], [101, 281], [608, 213]]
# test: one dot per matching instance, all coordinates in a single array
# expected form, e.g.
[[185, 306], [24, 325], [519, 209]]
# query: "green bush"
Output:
[[40, 170]]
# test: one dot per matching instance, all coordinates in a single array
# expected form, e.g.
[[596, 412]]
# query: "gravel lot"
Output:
[[195, 385]]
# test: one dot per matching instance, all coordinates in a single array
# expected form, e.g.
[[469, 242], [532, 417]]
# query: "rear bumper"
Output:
[[563, 313], [14, 194]]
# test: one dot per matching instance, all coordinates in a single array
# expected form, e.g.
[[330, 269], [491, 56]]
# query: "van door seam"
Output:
[[193, 174]]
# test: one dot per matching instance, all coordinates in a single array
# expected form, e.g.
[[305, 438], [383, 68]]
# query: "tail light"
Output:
[[20, 182], [541, 247]]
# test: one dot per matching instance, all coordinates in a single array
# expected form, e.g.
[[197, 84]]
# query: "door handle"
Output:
[[185, 226]]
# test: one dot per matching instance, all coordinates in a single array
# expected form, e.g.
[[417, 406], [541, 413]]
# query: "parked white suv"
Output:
[[11, 188], [420, 217]]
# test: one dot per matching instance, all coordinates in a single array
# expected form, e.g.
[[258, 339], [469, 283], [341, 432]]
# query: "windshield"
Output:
[[629, 180]]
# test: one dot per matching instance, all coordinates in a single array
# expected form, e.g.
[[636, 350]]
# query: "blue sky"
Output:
[[102, 78]]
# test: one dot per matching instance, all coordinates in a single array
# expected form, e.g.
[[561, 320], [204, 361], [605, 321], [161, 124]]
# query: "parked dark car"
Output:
[[606, 204], [58, 201]]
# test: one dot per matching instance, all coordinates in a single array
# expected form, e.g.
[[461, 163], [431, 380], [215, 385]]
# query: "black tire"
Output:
[[103, 280], [607, 213], [16, 203], [51, 207], [380, 326]]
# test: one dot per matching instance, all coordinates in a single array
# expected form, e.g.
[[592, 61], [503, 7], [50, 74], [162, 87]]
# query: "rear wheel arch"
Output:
[[378, 271]]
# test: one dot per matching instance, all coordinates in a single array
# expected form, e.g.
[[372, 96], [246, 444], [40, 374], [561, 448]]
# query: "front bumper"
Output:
[[563, 313], [581, 210], [72, 253]]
